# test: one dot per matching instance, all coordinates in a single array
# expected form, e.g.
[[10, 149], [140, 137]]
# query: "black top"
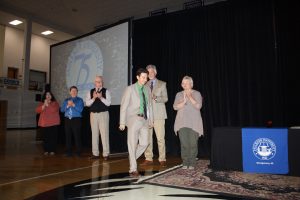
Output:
[[98, 105]]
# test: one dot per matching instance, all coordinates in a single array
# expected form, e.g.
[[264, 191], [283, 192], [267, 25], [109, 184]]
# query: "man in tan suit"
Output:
[[136, 114], [159, 98]]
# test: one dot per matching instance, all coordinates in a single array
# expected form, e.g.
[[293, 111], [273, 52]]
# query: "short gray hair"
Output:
[[189, 79], [152, 67]]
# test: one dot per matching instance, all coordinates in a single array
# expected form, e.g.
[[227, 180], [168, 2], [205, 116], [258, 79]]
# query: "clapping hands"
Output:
[[70, 103], [122, 127]]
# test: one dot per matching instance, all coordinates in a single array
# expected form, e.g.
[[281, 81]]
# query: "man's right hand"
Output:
[[122, 127], [70, 103], [99, 95], [94, 95]]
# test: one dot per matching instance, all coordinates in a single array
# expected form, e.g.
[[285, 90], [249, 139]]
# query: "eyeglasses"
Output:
[[97, 81]]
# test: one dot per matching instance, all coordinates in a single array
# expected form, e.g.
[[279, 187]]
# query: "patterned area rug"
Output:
[[231, 183]]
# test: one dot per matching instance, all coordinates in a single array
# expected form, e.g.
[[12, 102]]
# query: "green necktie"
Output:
[[144, 105]]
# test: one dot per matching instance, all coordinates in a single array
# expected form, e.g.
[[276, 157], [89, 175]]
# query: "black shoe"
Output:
[[94, 157]]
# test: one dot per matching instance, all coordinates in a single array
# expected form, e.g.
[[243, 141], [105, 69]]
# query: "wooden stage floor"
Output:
[[26, 172]]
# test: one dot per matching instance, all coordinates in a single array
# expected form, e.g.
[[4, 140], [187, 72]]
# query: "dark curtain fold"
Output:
[[287, 29], [229, 49]]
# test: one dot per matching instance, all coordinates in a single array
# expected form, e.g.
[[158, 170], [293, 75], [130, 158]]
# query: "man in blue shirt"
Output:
[[72, 107]]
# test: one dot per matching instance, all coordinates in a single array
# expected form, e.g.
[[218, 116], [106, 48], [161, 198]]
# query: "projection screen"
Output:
[[77, 62]]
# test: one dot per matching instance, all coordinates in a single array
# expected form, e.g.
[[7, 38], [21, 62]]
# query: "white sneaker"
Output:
[[184, 167], [191, 167], [52, 153], [46, 153]]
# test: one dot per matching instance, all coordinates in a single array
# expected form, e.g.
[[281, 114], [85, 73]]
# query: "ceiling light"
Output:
[[47, 32], [15, 22]]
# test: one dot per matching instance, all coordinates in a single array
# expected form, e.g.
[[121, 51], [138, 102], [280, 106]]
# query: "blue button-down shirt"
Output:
[[75, 111]]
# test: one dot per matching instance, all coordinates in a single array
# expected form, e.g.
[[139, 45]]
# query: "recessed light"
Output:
[[15, 22], [47, 32]]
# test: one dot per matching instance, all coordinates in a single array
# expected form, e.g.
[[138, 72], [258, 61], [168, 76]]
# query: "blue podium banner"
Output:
[[265, 150]]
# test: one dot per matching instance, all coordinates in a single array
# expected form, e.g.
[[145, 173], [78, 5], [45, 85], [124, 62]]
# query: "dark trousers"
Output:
[[189, 146], [73, 128], [50, 138]]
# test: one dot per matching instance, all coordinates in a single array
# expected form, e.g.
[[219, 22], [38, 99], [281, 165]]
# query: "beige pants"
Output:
[[137, 141], [159, 127], [100, 125]]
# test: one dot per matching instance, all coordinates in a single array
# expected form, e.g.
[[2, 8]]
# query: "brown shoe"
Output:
[[94, 157], [134, 174], [105, 158], [146, 162], [163, 163]]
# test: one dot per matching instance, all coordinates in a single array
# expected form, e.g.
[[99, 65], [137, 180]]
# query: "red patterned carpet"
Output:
[[231, 183]]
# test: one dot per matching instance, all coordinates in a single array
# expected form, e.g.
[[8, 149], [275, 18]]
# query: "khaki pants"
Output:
[[137, 141], [159, 127], [100, 125]]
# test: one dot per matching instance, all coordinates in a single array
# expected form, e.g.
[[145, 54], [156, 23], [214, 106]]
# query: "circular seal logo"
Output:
[[84, 63], [264, 148]]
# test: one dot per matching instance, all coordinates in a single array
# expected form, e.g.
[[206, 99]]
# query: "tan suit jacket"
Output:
[[130, 106], [159, 107]]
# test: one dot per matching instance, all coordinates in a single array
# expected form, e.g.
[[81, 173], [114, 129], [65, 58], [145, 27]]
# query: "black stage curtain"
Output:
[[287, 29], [231, 51]]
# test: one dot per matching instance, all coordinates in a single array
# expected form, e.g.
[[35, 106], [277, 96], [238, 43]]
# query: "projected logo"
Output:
[[84, 63], [264, 148]]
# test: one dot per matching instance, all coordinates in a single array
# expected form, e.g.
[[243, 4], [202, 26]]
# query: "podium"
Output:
[[265, 150], [226, 149]]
